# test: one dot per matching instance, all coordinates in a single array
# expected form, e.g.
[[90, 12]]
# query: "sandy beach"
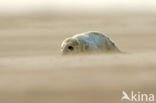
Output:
[[32, 69]]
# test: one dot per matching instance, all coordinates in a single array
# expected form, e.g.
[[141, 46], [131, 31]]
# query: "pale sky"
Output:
[[28, 5]]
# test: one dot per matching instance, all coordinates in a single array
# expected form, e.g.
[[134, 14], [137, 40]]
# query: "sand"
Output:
[[33, 71]]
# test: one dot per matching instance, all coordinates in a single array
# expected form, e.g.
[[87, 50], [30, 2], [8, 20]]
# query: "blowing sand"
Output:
[[32, 70]]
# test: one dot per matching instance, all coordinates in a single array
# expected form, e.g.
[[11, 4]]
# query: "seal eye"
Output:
[[70, 48]]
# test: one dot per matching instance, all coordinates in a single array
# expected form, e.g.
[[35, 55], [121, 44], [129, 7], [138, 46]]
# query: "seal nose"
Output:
[[64, 52]]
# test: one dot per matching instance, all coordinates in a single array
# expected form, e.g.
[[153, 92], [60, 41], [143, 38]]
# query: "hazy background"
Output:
[[32, 70], [79, 5]]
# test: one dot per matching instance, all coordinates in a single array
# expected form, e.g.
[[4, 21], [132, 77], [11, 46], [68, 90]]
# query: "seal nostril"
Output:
[[70, 48]]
